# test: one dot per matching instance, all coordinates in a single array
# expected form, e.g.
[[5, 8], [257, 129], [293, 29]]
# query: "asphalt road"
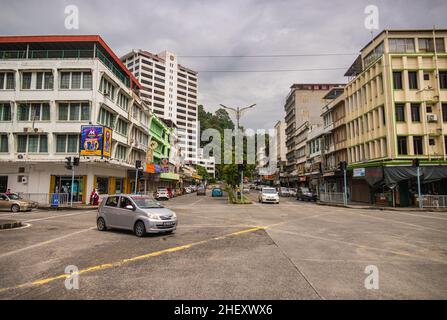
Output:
[[294, 250]]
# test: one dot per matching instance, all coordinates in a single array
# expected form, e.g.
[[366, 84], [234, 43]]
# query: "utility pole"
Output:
[[238, 112], [137, 167], [343, 166], [416, 163]]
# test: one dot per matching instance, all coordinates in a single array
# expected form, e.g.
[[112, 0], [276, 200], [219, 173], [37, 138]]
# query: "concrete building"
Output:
[[396, 111], [303, 108], [312, 167], [49, 87], [208, 163], [170, 90]]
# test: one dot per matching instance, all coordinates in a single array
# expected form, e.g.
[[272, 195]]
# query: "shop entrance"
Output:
[[3, 183], [63, 185]]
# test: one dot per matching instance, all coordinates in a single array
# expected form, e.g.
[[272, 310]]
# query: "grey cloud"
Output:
[[199, 27]]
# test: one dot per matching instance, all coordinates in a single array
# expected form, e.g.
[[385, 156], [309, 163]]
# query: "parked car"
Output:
[[284, 192], [268, 195], [162, 194], [179, 191], [216, 192], [246, 189], [305, 194], [188, 190], [201, 191], [15, 203], [292, 192], [140, 214]]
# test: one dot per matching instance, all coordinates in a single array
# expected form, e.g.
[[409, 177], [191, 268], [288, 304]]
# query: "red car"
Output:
[[170, 193]]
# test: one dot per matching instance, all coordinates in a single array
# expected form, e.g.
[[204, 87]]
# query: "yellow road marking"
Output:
[[128, 260]]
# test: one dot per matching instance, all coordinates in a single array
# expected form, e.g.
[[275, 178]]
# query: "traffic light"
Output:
[[137, 164], [416, 163], [76, 161], [343, 165], [68, 164]]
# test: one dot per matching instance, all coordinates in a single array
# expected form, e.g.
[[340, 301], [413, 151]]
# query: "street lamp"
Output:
[[238, 112]]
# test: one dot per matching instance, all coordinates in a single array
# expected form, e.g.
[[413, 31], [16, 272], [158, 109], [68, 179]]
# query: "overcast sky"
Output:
[[209, 27]]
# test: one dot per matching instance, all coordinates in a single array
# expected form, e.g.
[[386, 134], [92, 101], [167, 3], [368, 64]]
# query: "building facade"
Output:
[[170, 90], [303, 108], [396, 111], [50, 86]]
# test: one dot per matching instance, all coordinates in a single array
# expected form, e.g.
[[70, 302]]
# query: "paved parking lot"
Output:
[[294, 250]]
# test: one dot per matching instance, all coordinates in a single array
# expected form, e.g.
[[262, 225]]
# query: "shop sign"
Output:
[[359, 172]]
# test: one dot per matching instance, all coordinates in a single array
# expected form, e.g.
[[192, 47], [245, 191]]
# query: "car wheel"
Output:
[[101, 224], [140, 229], [15, 208]]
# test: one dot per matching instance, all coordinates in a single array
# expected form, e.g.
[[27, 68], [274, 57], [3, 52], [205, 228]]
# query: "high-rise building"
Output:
[[50, 86], [170, 90], [396, 111], [303, 108]]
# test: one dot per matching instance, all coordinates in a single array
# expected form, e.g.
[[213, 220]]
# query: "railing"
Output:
[[331, 197], [45, 199], [434, 201]]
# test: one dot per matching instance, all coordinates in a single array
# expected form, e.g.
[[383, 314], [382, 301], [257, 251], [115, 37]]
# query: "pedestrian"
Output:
[[8, 192], [94, 198]]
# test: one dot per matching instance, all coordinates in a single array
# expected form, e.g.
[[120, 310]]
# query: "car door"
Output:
[[4, 202], [125, 216], [109, 210]]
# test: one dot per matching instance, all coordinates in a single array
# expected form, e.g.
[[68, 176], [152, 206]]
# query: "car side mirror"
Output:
[[130, 207]]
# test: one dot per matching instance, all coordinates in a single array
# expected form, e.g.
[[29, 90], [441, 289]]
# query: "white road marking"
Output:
[[26, 225], [58, 216]]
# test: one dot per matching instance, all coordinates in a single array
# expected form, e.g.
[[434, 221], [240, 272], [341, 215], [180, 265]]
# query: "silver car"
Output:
[[141, 214]]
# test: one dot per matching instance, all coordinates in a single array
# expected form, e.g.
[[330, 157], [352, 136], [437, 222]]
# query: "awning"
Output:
[[394, 175], [169, 176]]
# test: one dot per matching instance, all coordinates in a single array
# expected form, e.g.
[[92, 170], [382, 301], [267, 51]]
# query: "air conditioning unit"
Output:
[[431, 117], [20, 156], [24, 180]]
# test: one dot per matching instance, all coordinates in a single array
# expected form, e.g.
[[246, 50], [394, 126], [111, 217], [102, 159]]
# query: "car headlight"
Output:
[[153, 216], [174, 216]]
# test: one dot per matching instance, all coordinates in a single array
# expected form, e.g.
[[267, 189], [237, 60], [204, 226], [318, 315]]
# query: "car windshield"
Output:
[[146, 203], [268, 191], [14, 196], [305, 190]]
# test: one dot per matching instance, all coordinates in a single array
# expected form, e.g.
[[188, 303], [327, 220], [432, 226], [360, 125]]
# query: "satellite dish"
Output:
[[154, 145]]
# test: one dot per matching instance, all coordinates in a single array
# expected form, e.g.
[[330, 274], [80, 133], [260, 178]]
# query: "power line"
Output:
[[270, 55], [271, 70]]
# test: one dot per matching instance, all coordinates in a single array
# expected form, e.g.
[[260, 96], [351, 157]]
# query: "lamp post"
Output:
[[238, 112]]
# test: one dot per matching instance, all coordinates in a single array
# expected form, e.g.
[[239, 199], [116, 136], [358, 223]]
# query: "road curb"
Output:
[[380, 208]]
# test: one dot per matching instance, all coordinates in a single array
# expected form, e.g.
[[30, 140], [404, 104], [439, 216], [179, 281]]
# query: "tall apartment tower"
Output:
[[170, 90]]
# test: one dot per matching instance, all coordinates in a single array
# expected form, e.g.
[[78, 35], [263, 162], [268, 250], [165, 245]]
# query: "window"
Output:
[[67, 143], [74, 111], [122, 127], [4, 142], [112, 201], [401, 45], [7, 81], [382, 110], [121, 152], [443, 79], [32, 143], [415, 112], [402, 145], [5, 111], [444, 112], [413, 79], [107, 89], [106, 118], [400, 111], [75, 80], [431, 141], [123, 101], [417, 145], [397, 79], [37, 80], [33, 112], [426, 45], [102, 185]]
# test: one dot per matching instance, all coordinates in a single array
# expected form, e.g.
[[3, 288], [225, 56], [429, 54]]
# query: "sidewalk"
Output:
[[372, 207], [76, 206]]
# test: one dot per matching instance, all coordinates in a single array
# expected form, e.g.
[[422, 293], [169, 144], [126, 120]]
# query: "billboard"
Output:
[[95, 141], [107, 145]]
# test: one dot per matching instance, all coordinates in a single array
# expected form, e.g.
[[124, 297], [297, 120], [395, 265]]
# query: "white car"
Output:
[[268, 195], [162, 193]]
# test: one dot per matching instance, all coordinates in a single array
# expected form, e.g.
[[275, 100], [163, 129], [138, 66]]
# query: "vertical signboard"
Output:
[[96, 141], [107, 145]]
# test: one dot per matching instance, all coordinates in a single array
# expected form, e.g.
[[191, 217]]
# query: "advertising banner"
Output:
[[107, 146], [91, 140]]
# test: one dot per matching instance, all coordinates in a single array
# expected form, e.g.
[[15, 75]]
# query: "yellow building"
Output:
[[396, 111]]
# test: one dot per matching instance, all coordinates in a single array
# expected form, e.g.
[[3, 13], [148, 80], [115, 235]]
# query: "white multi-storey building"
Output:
[[49, 87], [208, 163], [171, 92]]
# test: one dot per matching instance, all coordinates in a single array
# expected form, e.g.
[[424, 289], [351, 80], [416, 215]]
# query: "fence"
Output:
[[331, 197], [45, 199], [434, 201]]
